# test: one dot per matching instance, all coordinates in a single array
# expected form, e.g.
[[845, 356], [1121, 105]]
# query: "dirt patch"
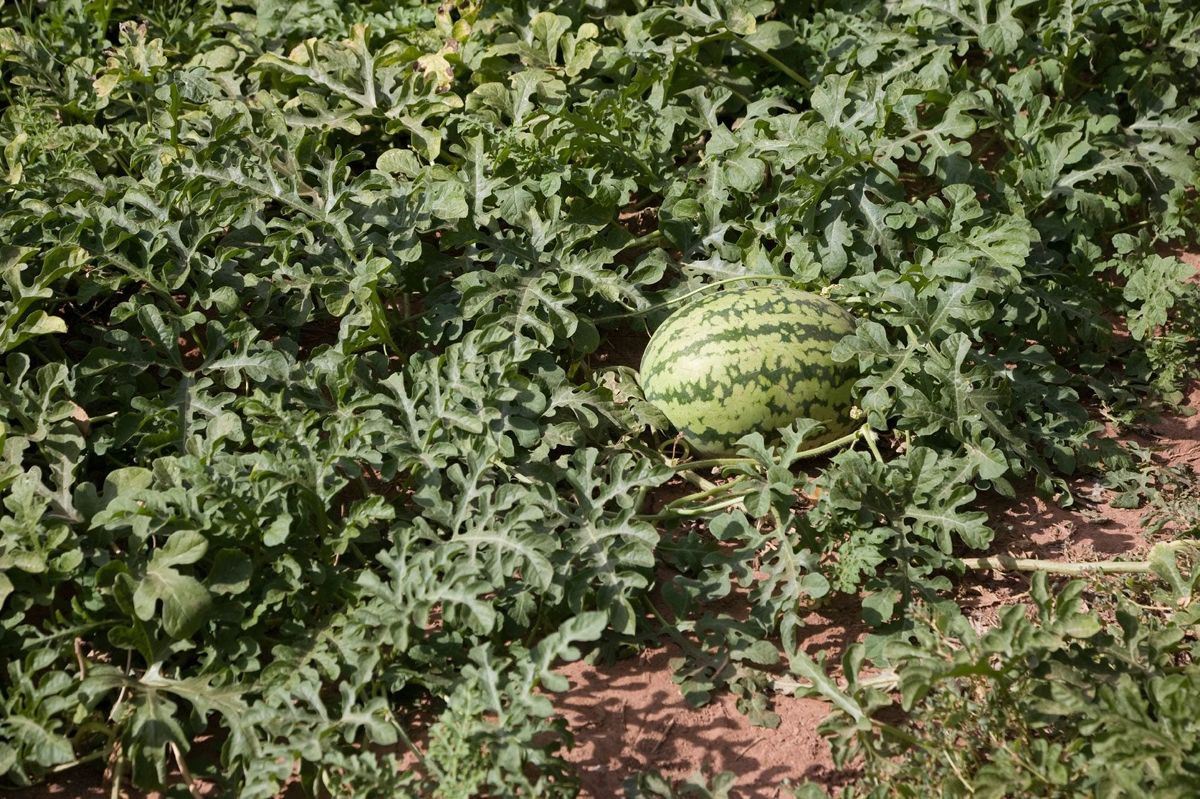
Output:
[[1178, 437], [629, 716], [80, 783]]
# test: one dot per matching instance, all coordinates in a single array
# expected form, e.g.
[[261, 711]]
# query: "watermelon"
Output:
[[749, 359]]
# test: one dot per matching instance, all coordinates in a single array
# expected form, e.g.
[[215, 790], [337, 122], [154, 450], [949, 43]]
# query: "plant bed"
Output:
[[326, 467]]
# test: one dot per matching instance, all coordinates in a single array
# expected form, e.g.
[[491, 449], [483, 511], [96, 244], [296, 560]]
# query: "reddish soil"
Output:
[[630, 716], [80, 783]]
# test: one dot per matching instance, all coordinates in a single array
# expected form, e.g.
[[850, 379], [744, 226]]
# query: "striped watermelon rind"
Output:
[[750, 359]]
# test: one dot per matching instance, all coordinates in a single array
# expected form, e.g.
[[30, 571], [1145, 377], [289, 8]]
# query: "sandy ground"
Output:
[[629, 716]]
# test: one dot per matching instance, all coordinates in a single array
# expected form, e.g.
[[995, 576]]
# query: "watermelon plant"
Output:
[[319, 449]]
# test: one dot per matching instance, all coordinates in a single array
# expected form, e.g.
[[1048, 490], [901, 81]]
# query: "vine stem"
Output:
[[772, 60], [80, 659], [884, 679], [706, 494], [184, 771], [118, 770], [709, 463], [412, 747], [672, 513], [864, 431], [870, 437], [99, 754], [1011, 564], [892, 176], [653, 237], [731, 493], [697, 480]]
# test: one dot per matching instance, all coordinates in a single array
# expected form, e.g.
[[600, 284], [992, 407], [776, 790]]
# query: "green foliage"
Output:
[[1088, 695], [314, 434], [653, 784]]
